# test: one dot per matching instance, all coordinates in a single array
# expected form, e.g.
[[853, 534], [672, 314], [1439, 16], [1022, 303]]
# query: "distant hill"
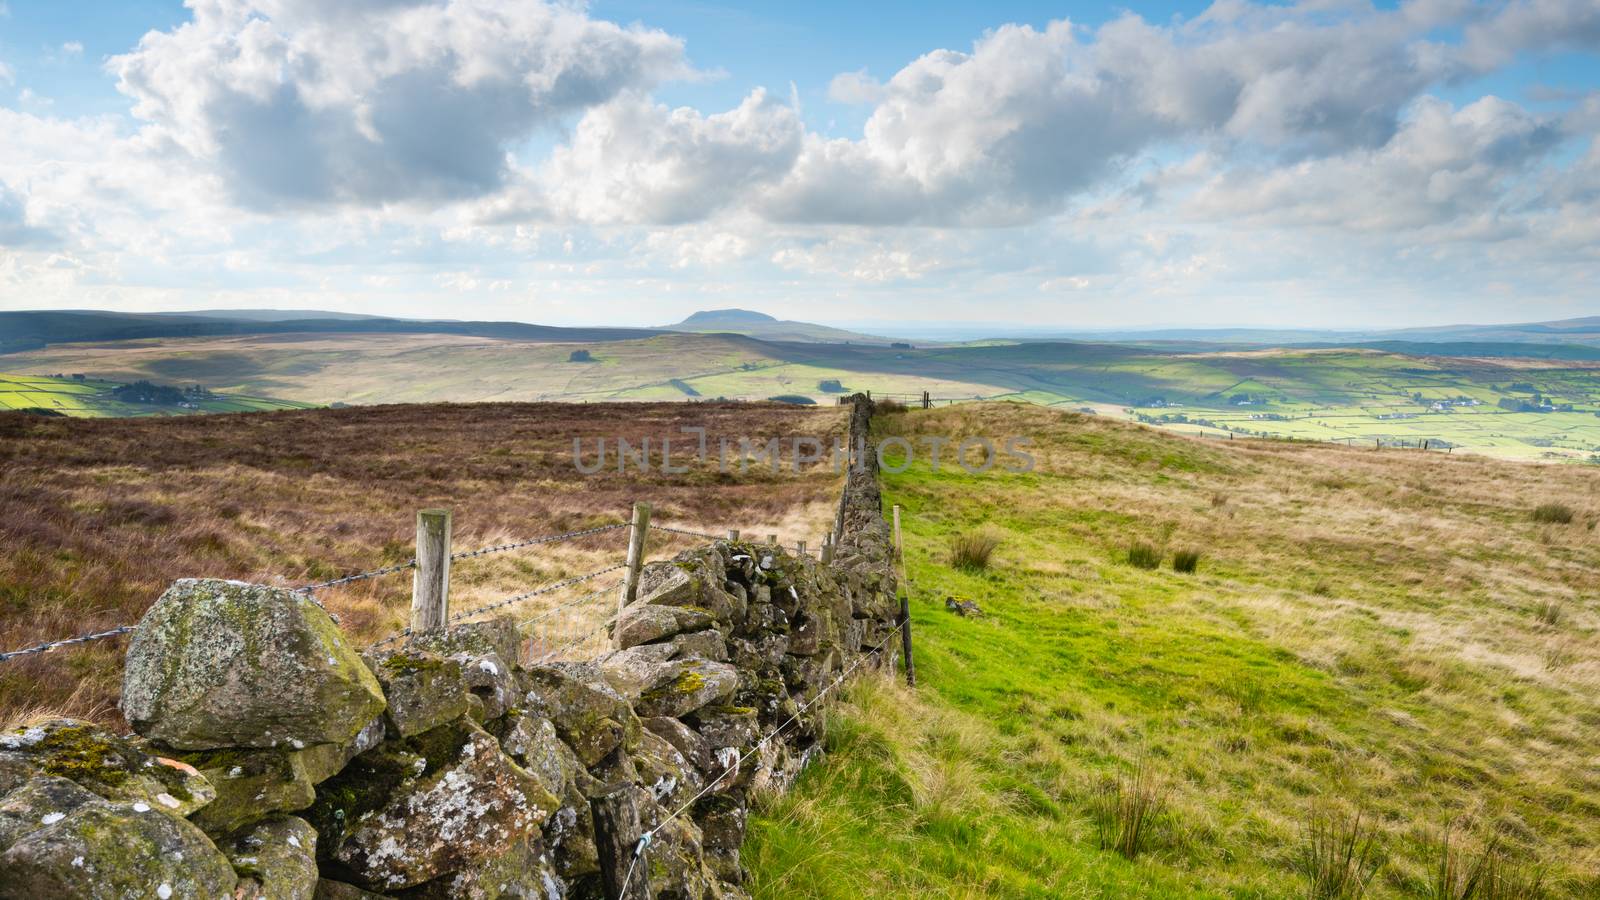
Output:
[[721, 317], [768, 328], [21, 331], [1584, 331]]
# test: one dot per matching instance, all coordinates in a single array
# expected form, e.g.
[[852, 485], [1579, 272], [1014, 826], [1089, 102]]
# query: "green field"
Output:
[[91, 398], [1359, 396], [1389, 635]]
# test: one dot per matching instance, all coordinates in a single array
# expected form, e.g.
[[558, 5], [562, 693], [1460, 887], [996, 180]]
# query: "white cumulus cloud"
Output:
[[303, 103]]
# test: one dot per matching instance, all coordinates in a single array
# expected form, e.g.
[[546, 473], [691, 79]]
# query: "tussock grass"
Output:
[[1482, 872], [1186, 560], [888, 406], [1375, 644], [1340, 855], [971, 550], [1553, 513], [1127, 808], [1549, 611], [1143, 555]]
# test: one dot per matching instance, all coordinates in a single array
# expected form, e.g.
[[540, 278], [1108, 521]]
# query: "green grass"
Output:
[[1274, 686], [91, 398]]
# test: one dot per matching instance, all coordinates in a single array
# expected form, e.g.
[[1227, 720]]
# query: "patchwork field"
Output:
[[102, 515], [1334, 394], [1400, 637], [93, 398]]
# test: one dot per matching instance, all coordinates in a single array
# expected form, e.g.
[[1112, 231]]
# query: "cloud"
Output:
[[1007, 133], [303, 104], [855, 88], [634, 161], [1548, 26], [15, 232], [6, 75], [1444, 168], [72, 48]]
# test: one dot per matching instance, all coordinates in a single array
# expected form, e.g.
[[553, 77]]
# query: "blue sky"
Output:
[[1325, 163]]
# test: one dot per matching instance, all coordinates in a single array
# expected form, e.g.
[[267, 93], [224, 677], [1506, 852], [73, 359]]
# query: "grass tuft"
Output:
[[1185, 561], [971, 550], [1549, 611], [1126, 809], [1339, 855], [1553, 513], [1461, 873], [1142, 555]]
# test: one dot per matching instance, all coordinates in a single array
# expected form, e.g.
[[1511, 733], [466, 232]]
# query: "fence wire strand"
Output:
[[48, 646], [547, 539], [498, 604]]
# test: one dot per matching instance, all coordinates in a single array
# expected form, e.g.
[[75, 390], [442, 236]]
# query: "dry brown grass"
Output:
[[102, 515]]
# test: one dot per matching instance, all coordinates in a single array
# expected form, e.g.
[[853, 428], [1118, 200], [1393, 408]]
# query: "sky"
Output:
[[1326, 163]]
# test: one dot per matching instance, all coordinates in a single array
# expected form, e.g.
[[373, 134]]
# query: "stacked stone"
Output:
[[273, 760]]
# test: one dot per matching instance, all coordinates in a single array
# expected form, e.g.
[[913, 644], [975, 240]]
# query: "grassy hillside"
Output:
[[102, 515], [94, 398], [1318, 394], [1390, 634]]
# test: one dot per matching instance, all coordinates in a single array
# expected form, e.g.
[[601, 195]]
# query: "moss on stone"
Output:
[[686, 683], [84, 754]]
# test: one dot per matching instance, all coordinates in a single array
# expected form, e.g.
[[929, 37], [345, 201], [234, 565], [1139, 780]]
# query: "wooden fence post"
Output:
[[630, 579], [616, 834], [927, 402], [733, 534], [897, 553], [827, 549], [772, 539], [905, 606], [799, 548], [430, 588]]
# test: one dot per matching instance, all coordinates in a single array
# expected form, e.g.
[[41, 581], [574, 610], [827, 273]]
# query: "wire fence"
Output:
[[555, 633]]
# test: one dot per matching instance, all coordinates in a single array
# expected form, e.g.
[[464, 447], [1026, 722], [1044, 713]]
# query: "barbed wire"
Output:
[[547, 539], [686, 532], [498, 604], [585, 636], [359, 576], [648, 836], [47, 646]]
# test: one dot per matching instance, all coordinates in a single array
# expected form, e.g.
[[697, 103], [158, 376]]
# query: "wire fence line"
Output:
[[519, 598], [648, 837], [48, 646], [547, 539], [310, 590]]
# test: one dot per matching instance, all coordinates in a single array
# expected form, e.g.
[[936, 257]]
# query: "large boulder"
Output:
[[648, 623], [37, 803], [112, 767], [113, 851], [587, 712], [411, 811], [275, 860], [707, 644], [524, 871], [531, 741], [498, 636], [686, 685], [226, 664], [424, 690]]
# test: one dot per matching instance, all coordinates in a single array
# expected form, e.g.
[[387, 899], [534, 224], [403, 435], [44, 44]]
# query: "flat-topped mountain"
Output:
[[760, 325]]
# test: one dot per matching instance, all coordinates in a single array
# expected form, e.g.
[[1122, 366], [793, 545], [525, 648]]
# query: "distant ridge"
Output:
[[726, 317], [21, 331], [768, 328]]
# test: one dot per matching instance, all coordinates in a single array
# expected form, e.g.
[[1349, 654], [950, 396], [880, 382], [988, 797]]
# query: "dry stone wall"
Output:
[[273, 759]]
